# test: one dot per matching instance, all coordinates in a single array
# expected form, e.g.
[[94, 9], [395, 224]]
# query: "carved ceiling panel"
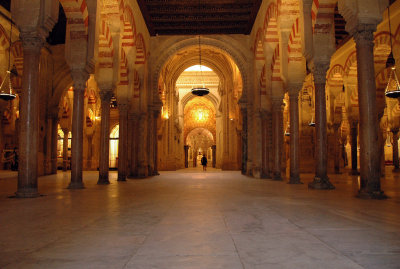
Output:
[[188, 17]]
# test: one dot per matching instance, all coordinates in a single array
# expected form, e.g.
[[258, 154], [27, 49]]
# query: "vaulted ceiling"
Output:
[[188, 17]]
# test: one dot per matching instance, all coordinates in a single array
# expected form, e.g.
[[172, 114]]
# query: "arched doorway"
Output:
[[114, 136], [218, 112]]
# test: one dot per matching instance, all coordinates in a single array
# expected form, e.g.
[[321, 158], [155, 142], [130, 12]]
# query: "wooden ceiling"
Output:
[[190, 17]]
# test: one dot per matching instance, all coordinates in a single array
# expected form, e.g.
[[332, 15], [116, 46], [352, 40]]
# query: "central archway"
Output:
[[174, 84]]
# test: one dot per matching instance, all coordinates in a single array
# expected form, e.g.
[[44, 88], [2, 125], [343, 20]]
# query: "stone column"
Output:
[[395, 145], [65, 149], [150, 142], [54, 140], [370, 186], [186, 149], [214, 155], [134, 146], [321, 180], [80, 77], [156, 114], [142, 142], [122, 141], [277, 137], [244, 140], [104, 157], [29, 116], [294, 136], [265, 173], [354, 147], [336, 148]]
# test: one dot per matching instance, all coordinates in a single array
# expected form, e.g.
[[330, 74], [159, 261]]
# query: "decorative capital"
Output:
[[31, 41], [364, 34], [395, 131], [277, 103], [105, 96], [123, 107], [79, 76]]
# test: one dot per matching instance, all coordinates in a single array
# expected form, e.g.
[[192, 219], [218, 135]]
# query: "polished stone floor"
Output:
[[194, 219]]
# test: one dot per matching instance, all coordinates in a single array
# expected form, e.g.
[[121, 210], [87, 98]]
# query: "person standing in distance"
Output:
[[204, 162]]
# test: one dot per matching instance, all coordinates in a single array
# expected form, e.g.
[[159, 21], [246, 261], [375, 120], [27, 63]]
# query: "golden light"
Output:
[[201, 115]]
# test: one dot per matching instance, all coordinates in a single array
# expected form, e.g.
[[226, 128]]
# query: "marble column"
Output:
[[354, 147], [142, 149], [321, 180], [214, 155], [277, 134], [336, 148], [29, 117], [134, 146], [65, 149], [54, 140], [104, 153], [122, 141], [370, 186], [294, 136], [186, 149], [395, 145], [244, 140], [80, 77], [265, 173], [150, 142]]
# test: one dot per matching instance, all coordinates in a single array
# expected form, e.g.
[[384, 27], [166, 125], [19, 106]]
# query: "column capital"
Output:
[[364, 33], [79, 76], [395, 131], [294, 89], [31, 41], [277, 103], [105, 95], [123, 107], [319, 72]]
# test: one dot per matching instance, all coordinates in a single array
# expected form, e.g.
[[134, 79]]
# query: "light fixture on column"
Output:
[[287, 131], [6, 90], [393, 87], [312, 122]]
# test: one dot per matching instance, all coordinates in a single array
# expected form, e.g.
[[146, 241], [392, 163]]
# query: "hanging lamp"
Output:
[[200, 91], [393, 87], [6, 90]]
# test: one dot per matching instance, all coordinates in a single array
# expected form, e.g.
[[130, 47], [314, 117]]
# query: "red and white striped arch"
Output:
[[276, 65], [294, 45], [381, 81], [350, 66], [129, 29], [270, 26], [381, 49], [77, 18], [336, 75], [136, 84], [322, 11], [106, 49], [18, 55], [123, 67], [263, 83], [140, 50], [258, 46]]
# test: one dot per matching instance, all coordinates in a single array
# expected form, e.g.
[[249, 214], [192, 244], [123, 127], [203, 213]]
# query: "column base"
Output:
[[321, 184], [76, 185], [121, 178], [277, 177], [27, 193], [295, 180], [103, 181], [376, 195], [354, 173]]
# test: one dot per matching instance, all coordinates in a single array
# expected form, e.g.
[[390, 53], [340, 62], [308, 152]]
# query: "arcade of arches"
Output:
[[116, 94]]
